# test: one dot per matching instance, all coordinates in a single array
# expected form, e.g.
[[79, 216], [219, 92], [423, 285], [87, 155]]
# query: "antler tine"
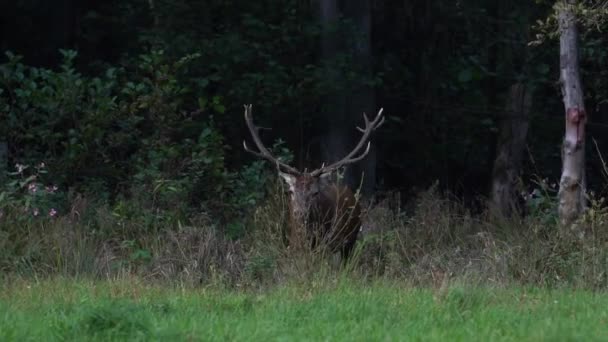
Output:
[[263, 151], [375, 123], [352, 156]]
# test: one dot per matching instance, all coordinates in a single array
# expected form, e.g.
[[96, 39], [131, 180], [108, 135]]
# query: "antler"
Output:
[[264, 153], [350, 158]]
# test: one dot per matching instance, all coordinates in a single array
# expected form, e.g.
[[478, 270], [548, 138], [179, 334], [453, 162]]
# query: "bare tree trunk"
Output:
[[343, 106], [363, 99], [337, 138], [572, 183], [509, 153]]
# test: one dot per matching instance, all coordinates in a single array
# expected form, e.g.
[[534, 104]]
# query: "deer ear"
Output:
[[289, 179]]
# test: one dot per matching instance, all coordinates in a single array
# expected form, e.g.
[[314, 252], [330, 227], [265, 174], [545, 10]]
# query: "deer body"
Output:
[[327, 212]]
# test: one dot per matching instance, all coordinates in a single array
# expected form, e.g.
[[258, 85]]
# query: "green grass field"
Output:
[[134, 310]]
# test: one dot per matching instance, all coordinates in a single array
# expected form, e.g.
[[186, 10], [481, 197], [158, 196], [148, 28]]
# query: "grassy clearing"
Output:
[[133, 309], [430, 272]]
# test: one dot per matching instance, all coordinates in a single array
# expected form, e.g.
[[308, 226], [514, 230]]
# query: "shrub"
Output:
[[25, 195], [138, 133]]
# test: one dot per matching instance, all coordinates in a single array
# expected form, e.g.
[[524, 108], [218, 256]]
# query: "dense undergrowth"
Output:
[[431, 242]]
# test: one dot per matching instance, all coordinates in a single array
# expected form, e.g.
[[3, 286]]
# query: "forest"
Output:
[[320, 169], [122, 128]]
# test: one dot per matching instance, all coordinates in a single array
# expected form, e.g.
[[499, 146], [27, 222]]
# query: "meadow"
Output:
[[132, 309], [431, 272]]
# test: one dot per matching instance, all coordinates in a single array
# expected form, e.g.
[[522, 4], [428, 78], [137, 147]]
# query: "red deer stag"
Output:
[[324, 210]]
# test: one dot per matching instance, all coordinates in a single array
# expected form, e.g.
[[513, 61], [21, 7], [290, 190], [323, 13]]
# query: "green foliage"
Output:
[[60, 116], [26, 197], [248, 189], [134, 132], [449, 90], [541, 202]]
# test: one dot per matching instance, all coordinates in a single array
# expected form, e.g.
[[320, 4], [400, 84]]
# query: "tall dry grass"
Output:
[[432, 243]]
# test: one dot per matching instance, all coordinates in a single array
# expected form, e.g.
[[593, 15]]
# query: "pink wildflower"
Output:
[[51, 189], [36, 212], [32, 187], [53, 212]]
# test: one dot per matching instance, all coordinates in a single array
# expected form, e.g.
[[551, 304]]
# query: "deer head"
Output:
[[304, 190], [316, 201]]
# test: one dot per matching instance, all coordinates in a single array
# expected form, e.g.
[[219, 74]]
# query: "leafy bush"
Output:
[[26, 195], [138, 133]]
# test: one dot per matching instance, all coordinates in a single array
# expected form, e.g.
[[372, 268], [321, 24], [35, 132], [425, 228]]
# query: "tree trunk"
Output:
[[572, 183], [337, 139], [363, 99], [509, 153]]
